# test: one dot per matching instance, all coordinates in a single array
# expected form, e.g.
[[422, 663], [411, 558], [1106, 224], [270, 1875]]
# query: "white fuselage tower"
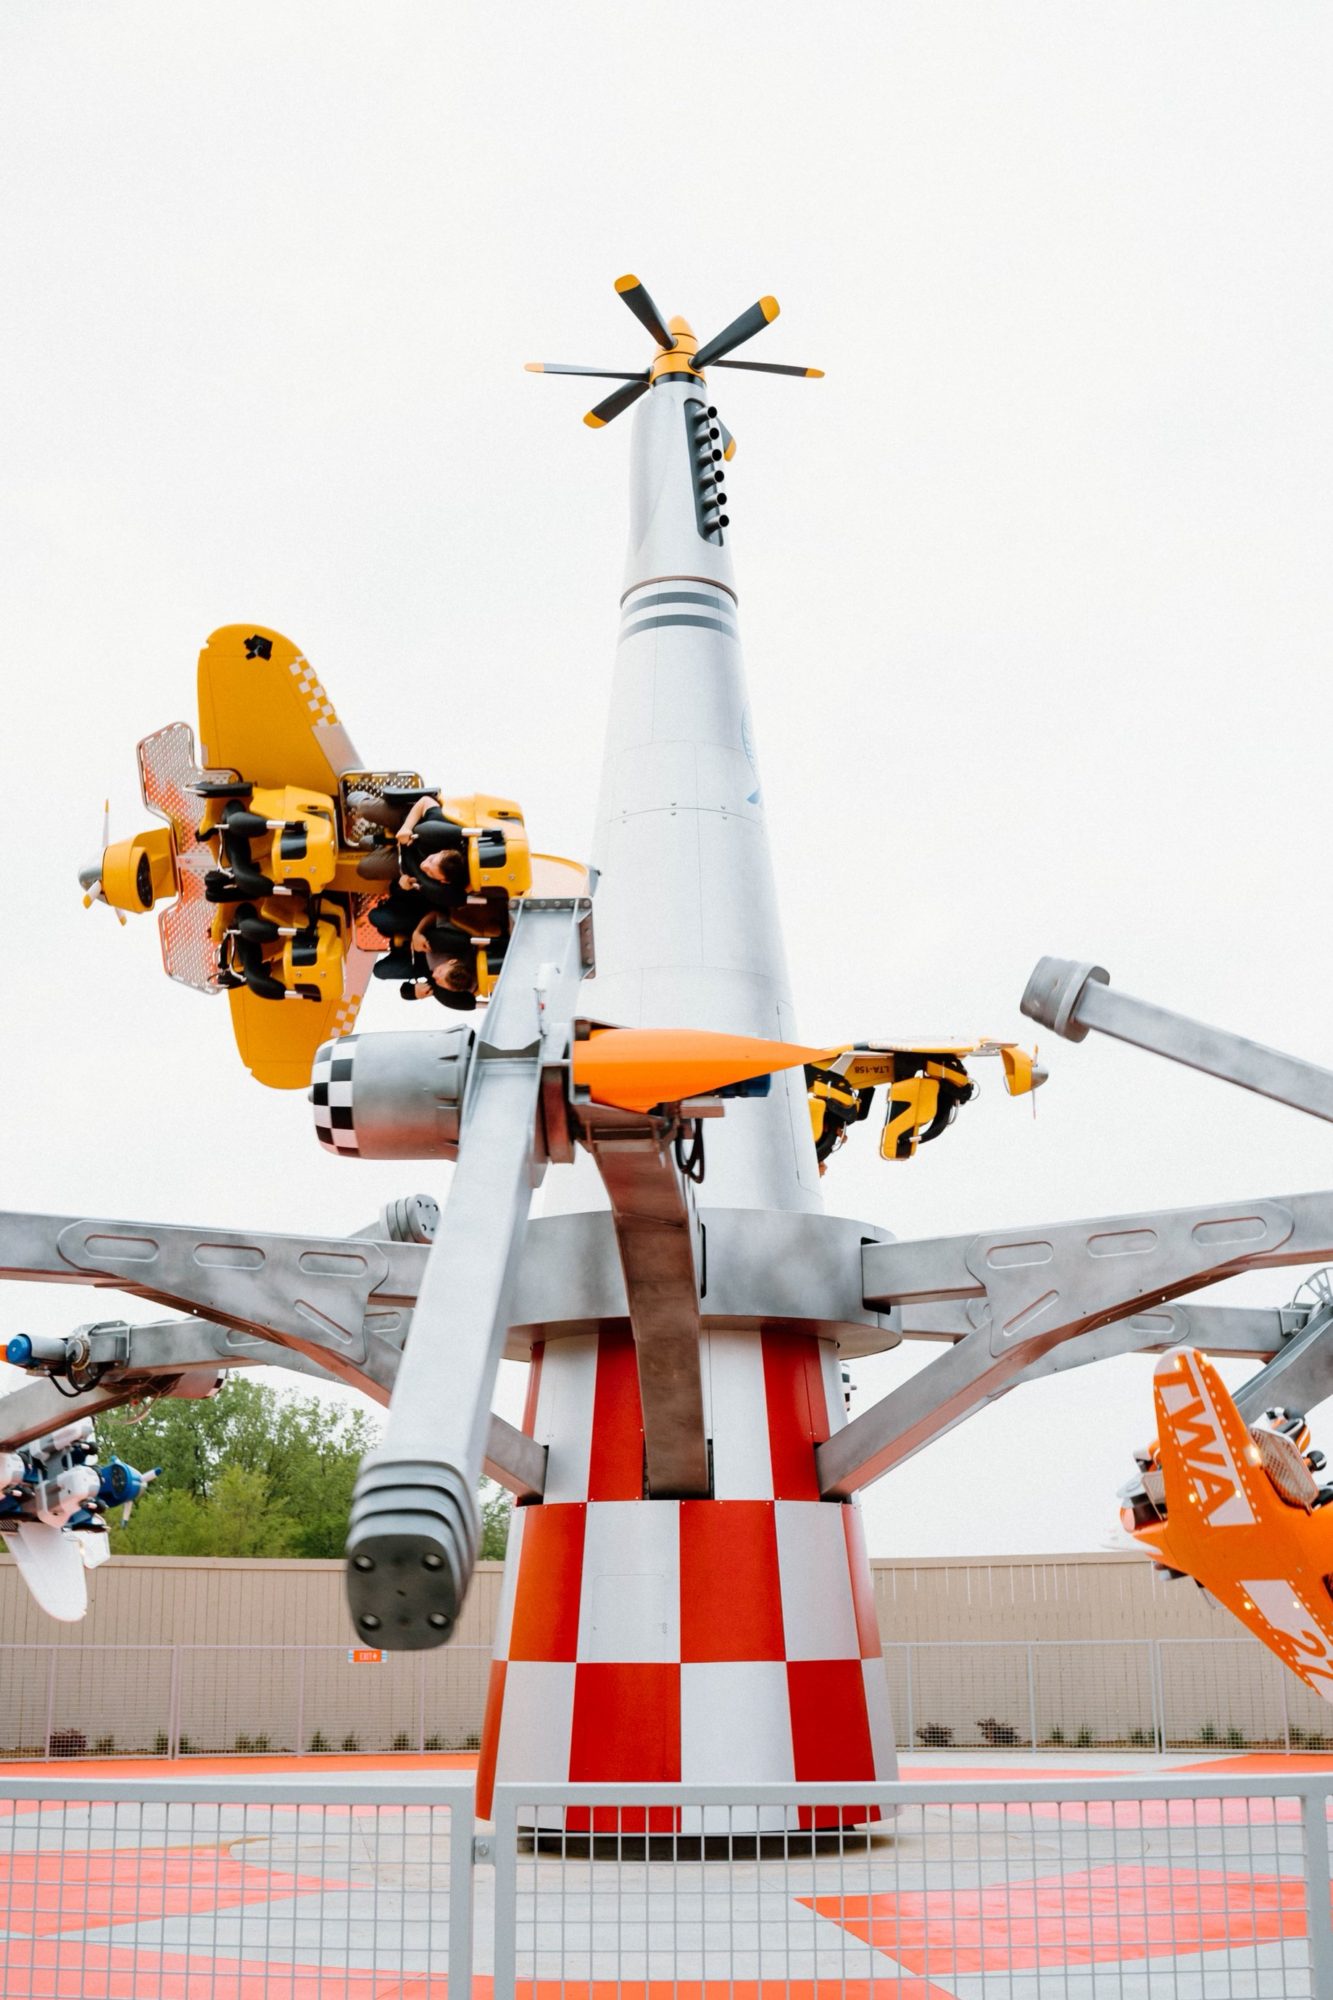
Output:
[[731, 1636]]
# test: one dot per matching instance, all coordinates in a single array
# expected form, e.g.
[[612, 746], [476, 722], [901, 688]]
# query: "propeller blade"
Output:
[[751, 322], [618, 401], [771, 368], [565, 368], [643, 309], [728, 442]]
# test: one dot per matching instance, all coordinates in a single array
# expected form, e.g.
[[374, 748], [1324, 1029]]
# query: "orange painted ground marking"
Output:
[[1099, 1915], [61, 1971], [965, 1774], [1259, 1761], [118, 1885], [230, 1767]]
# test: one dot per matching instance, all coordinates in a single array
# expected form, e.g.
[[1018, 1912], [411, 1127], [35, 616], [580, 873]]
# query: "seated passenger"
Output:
[[429, 828], [403, 910], [452, 981], [434, 957], [441, 876]]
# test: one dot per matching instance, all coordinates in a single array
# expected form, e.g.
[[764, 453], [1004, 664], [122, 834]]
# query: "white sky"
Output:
[[1035, 587]]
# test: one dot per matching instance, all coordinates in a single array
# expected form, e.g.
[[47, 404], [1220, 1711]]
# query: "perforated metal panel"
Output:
[[358, 832], [167, 768]]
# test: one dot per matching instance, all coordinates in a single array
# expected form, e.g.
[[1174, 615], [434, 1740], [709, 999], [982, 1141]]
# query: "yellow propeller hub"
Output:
[[677, 360]]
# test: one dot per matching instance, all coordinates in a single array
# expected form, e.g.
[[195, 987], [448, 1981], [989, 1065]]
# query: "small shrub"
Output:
[[262, 1745], [999, 1735], [1297, 1736], [1083, 1741], [187, 1747], [1237, 1739], [402, 1741], [1315, 1741], [1141, 1739], [161, 1743], [319, 1744], [351, 1743], [934, 1736], [472, 1742], [242, 1746], [1208, 1734], [68, 1743], [435, 1743], [105, 1746], [1056, 1737]]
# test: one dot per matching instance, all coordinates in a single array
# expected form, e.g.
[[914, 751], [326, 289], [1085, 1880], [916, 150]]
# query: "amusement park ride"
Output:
[[686, 1592]]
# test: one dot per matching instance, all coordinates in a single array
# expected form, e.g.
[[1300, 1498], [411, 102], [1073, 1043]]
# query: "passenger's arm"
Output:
[[418, 812]]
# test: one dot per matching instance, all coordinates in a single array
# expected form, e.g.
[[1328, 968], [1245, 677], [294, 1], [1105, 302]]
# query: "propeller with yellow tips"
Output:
[[616, 403], [90, 879], [640, 304], [677, 355], [771, 368], [567, 368]]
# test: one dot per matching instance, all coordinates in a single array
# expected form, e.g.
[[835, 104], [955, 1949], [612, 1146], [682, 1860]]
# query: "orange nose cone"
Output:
[[636, 1068]]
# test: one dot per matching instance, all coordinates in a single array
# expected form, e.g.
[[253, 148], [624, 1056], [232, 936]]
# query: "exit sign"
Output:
[[363, 1656]]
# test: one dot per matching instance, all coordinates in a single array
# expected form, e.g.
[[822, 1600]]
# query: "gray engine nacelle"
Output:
[[392, 1096]]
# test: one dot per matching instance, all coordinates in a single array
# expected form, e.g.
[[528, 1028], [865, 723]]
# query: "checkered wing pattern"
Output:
[[331, 1095], [312, 691]]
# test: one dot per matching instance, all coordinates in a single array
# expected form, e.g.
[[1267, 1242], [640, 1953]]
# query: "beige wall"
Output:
[[213, 1653], [202, 1601]]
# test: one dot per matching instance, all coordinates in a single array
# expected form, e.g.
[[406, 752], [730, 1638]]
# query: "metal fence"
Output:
[[183, 1701], [1148, 1694], [1135, 1694], [361, 1888], [232, 1888]]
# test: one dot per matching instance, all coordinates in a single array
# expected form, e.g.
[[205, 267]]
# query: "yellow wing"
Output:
[[263, 712], [277, 1041]]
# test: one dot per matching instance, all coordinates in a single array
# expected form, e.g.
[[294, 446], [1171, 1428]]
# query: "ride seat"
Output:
[[312, 965], [1291, 1478]]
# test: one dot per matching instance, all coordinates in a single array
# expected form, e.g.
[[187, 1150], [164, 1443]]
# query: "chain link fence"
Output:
[[1047, 1695], [1102, 1694], [213, 1701]]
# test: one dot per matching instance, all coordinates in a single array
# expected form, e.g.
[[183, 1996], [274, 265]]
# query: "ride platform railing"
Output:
[[187, 1887]]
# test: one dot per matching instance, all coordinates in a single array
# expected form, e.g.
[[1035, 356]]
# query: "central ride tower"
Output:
[[725, 1633]]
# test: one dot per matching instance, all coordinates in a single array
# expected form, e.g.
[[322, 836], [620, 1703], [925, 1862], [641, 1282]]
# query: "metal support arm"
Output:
[[1070, 997], [162, 1357], [1043, 1298], [657, 1235], [341, 1301], [412, 1538]]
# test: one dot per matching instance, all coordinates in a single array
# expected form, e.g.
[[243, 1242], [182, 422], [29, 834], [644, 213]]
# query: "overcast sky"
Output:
[[1035, 586]]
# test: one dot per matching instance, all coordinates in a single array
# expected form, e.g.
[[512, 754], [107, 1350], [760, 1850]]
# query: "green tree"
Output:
[[253, 1471], [497, 1508]]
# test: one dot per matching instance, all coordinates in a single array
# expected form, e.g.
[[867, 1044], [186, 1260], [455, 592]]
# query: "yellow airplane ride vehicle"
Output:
[[262, 863]]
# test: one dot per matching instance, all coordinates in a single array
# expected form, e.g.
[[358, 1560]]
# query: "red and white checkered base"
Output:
[[686, 1641]]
